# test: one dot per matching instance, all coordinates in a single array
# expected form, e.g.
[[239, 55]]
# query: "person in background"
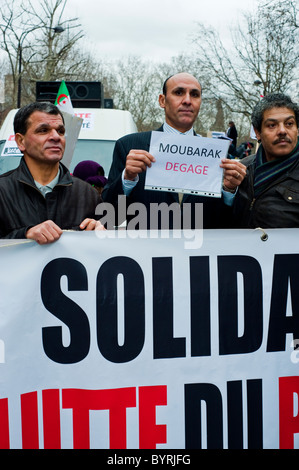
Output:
[[40, 199], [268, 197], [244, 150], [232, 133], [91, 172]]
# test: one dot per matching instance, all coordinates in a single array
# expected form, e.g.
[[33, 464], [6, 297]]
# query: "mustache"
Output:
[[282, 139]]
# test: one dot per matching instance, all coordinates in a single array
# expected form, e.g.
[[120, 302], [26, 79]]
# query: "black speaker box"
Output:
[[83, 94]]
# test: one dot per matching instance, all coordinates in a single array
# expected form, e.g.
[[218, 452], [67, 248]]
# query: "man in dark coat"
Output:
[[181, 100], [269, 195], [40, 199], [232, 133]]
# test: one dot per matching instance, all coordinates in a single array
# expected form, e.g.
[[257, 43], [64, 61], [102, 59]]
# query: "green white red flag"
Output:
[[63, 99]]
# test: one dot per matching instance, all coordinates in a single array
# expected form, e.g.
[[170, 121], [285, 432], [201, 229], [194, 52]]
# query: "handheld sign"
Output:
[[72, 127], [186, 164]]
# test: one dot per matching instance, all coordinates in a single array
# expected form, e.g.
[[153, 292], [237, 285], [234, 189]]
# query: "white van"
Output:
[[100, 129]]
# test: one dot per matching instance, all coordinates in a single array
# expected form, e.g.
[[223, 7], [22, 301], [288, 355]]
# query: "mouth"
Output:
[[54, 149], [186, 111]]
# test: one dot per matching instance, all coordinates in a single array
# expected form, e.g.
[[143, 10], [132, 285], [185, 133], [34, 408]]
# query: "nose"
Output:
[[187, 98], [55, 135], [281, 128]]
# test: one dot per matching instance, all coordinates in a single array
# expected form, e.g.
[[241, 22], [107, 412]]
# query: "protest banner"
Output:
[[186, 164], [104, 347]]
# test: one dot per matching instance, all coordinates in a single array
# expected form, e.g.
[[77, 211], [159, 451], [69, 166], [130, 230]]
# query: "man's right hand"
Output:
[[137, 162], [46, 232]]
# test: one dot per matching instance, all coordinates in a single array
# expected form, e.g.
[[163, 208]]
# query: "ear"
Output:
[[257, 133], [19, 138], [162, 101]]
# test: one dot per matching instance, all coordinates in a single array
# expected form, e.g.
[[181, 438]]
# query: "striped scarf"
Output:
[[267, 172]]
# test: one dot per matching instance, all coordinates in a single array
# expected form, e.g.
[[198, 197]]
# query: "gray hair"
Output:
[[273, 100]]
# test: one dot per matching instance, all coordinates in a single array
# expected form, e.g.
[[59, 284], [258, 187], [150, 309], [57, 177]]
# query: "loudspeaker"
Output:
[[83, 94]]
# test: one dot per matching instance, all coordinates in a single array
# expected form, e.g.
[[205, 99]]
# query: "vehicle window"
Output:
[[7, 163], [100, 151]]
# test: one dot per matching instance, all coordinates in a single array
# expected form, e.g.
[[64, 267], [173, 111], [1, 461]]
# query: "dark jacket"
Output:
[[215, 213], [276, 207], [22, 205], [232, 134]]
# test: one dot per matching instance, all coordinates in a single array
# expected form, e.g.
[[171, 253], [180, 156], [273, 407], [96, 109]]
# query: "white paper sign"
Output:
[[73, 126], [186, 164]]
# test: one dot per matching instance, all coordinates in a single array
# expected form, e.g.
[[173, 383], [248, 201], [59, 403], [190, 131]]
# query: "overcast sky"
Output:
[[153, 29]]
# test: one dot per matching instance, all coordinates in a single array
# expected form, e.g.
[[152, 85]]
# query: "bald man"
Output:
[[181, 100]]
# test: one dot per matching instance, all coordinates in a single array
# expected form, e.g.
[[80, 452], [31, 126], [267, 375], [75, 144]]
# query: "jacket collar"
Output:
[[24, 175]]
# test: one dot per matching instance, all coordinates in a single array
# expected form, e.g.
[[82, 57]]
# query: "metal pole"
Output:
[[19, 79]]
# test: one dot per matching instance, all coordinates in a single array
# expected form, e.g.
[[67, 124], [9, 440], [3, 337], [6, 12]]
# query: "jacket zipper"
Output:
[[252, 203]]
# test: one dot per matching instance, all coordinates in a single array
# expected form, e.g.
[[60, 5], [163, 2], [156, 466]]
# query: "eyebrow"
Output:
[[45, 124], [181, 88], [276, 120]]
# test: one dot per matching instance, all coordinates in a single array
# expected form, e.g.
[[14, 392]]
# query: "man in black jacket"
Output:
[[269, 195], [181, 101], [40, 199], [232, 133]]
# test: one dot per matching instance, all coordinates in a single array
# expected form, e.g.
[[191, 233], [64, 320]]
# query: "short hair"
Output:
[[164, 89], [24, 113], [273, 100]]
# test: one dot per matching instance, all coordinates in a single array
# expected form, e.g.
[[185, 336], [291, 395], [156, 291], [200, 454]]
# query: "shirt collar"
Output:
[[44, 189], [171, 130]]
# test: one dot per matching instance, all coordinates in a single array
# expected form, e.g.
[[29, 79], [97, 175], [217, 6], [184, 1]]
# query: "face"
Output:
[[279, 132], [44, 140], [182, 101]]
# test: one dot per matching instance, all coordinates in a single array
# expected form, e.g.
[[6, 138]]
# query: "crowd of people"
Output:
[[40, 199]]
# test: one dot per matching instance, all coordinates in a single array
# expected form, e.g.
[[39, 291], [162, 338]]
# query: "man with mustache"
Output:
[[181, 100], [269, 194], [40, 199]]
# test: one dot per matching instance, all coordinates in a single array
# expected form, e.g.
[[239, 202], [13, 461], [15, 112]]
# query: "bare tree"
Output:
[[265, 52], [135, 86], [39, 45]]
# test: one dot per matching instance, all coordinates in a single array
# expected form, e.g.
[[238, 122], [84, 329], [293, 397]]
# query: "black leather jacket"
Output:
[[275, 207], [22, 205]]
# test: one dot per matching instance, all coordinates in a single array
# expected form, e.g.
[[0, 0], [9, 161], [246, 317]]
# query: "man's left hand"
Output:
[[234, 173], [91, 224]]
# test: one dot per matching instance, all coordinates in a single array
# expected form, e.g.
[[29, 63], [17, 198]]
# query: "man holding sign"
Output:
[[181, 101]]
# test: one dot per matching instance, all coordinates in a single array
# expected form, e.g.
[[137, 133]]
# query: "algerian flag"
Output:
[[63, 99]]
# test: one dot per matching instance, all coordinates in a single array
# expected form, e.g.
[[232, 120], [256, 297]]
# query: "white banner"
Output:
[[186, 164], [131, 340]]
